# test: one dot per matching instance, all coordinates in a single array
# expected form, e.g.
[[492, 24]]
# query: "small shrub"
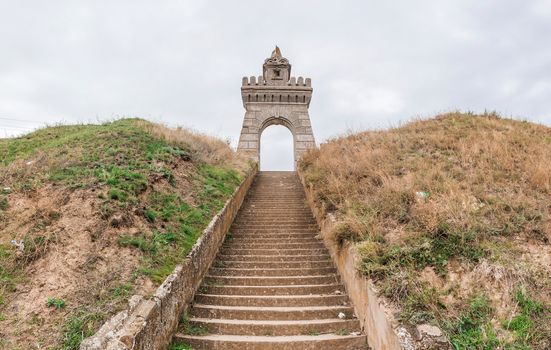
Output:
[[342, 232], [56, 303]]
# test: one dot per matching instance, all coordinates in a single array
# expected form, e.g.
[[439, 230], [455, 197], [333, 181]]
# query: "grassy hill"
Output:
[[91, 214], [452, 219]]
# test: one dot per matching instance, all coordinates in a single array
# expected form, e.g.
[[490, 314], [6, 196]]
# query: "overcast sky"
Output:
[[373, 64]]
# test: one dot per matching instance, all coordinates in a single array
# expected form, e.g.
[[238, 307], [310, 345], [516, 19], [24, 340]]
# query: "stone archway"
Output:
[[276, 98]]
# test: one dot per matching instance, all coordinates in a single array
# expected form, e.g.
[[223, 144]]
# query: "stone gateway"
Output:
[[276, 98]]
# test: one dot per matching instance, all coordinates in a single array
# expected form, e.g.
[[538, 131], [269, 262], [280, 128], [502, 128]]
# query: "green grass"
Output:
[[122, 162], [8, 272], [3, 202], [180, 224], [473, 330], [526, 324], [56, 303], [78, 327]]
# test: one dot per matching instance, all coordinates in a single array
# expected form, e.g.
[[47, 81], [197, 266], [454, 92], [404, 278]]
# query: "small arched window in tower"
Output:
[[256, 98], [272, 98], [296, 98], [304, 99], [249, 98], [279, 98], [288, 98], [264, 99]]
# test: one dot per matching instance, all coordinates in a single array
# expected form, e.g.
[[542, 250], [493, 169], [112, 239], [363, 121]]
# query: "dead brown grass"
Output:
[[414, 195], [208, 149]]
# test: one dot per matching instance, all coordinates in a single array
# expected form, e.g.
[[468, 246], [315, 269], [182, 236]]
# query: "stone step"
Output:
[[336, 289], [274, 229], [244, 244], [274, 258], [298, 342], [315, 271], [273, 284], [252, 251], [277, 235], [256, 221], [253, 239], [270, 313], [270, 280], [273, 300], [273, 264], [277, 327]]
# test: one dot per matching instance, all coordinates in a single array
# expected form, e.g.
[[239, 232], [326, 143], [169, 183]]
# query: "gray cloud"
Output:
[[372, 63]]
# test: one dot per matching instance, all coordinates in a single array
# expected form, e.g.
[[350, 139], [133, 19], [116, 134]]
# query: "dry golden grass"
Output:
[[208, 149], [454, 194]]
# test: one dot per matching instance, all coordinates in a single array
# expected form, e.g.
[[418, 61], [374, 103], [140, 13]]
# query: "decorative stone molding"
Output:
[[149, 324], [276, 98]]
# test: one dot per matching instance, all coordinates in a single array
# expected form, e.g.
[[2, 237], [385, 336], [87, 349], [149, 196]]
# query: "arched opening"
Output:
[[276, 149]]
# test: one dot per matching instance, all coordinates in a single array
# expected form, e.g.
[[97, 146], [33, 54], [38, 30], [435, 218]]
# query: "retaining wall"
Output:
[[149, 324], [383, 332]]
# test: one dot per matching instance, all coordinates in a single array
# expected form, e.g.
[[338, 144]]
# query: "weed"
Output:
[[77, 327], [190, 328], [473, 330], [526, 324], [141, 242], [3, 203], [150, 215], [56, 303], [180, 346]]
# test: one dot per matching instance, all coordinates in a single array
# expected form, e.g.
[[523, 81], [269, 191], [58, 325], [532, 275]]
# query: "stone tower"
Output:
[[276, 98]]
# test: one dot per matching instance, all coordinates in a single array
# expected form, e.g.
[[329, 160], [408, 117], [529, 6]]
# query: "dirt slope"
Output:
[[452, 218], [91, 214]]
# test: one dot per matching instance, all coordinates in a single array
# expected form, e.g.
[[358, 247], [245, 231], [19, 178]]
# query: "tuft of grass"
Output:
[[531, 324], [78, 327], [180, 346], [56, 303], [3, 202], [473, 329]]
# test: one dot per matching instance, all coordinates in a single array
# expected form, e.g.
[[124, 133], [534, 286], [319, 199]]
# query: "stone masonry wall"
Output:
[[149, 324]]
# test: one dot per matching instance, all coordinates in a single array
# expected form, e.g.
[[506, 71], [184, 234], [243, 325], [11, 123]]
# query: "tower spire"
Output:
[[276, 53]]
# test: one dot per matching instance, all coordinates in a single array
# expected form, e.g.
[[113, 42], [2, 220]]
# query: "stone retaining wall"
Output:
[[383, 332], [149, 324]]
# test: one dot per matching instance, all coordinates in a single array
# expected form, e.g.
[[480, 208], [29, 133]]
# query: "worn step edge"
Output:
[[276, 327], [273, 300], [302, 342]]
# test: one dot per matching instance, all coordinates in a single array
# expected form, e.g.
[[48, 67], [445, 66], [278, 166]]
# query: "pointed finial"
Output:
[[276, 53]]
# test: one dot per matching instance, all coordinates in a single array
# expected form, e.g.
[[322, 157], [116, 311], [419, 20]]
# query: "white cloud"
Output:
[[372, 63], [358, 98]]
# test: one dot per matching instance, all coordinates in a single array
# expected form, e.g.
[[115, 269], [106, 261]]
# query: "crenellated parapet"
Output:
[[258, 90], [260, 81]]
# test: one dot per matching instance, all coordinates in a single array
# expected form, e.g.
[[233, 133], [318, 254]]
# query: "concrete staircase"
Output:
[[273, 285]]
